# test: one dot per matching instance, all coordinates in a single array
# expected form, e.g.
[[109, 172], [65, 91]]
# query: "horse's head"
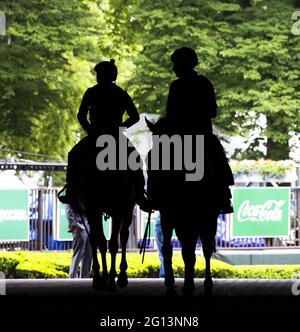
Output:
[[150, 125], [162, 126]]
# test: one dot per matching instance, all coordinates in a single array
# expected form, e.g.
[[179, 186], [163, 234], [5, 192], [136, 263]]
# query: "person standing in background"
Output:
[[82, 251], [159, 241]]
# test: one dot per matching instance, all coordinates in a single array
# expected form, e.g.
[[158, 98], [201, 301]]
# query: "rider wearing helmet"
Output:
[[106, 102], [190, 107], [191, 101]]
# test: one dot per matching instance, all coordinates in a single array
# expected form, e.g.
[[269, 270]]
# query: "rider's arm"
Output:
[[131, 111], [83, 111], [211, 103]]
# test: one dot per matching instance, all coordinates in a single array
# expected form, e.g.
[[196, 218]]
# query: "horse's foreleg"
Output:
[[113, 249]]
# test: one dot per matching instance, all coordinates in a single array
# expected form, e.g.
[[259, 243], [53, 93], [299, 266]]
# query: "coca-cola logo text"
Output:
[[271, 210]]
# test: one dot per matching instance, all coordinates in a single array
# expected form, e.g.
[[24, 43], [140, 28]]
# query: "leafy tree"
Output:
[[246, 49], [262, 63], [44, 69]]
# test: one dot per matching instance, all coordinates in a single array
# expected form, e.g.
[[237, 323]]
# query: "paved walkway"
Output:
[[149, 287], [73, 304]]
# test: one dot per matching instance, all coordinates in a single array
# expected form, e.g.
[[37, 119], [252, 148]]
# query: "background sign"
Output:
[[62, 223], [154, 216], [261, 212], [14, 215], [62, 229]]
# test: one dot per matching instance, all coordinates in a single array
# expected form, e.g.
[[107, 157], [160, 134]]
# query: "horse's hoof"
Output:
[[122, 281], [208, 286], [105, 277], [188, 289], [171, 292], [112, 286], [99, 283], [169, 282]]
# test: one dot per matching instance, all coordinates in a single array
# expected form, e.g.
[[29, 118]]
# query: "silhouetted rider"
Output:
[[191, 101], [190, 107], [106, 102]]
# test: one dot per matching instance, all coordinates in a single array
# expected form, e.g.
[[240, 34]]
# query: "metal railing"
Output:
[[43, 222], [224, 239]]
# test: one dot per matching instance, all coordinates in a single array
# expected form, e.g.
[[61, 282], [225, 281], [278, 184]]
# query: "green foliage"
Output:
[[43, 73], [34, 264], [8, 264], [31, 270], [246, 48], [56, 265], [247, 51]]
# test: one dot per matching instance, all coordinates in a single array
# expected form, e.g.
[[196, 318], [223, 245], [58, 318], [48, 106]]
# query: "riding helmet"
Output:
[[185, 55]]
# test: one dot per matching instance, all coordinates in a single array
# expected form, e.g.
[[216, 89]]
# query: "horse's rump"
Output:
[[105, 190]]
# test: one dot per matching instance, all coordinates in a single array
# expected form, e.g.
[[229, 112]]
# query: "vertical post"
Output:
[[130, 243], [2, 24], [49, 198], [138, 223], [40, 220], [298, 212]]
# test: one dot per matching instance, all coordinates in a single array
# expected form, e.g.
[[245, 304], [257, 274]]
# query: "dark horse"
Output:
[[97, 192], [189, 207]]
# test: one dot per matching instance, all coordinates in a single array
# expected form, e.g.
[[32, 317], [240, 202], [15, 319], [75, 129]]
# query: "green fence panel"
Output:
[[14, 215], [64, 235]]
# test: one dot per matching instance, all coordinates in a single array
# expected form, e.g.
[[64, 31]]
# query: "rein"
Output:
[[146, 237]]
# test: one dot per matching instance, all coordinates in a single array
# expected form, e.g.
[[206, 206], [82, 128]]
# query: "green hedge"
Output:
[[35, 264], [56, 265]]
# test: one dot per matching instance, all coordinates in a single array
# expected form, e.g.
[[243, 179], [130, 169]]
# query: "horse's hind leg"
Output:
[[207, 251], [167, 252], [113, 249], [98, 240], [188, 244], [124, 234], [208, 245], [95, 265]]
